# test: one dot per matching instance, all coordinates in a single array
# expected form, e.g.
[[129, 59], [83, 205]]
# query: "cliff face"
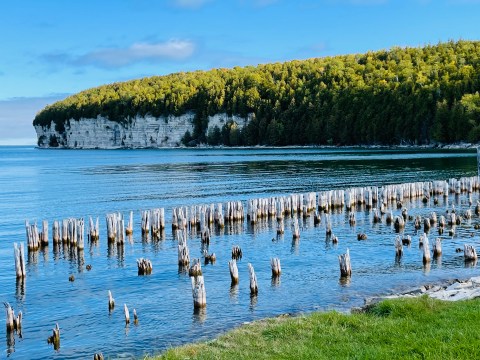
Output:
[[141, 132]]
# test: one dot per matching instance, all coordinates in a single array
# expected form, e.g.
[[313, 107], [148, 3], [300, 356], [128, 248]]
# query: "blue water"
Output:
[[55, 184]]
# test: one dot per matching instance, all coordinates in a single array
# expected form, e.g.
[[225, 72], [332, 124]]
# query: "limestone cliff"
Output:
[[140, 132]]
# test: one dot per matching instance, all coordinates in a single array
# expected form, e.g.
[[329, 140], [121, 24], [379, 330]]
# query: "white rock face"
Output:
[[141, 132]]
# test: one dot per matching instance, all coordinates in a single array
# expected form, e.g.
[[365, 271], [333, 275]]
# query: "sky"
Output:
[[50, 49]]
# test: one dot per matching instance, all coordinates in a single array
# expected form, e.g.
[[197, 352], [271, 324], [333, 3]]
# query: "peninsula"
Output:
[[416, 96]]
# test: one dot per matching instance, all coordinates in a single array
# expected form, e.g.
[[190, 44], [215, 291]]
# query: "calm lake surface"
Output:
[[56, 184]]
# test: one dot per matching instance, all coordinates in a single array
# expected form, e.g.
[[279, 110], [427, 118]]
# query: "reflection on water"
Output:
[[94, 183]]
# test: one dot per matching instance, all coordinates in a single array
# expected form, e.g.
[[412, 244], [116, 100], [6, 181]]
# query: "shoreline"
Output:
[[437, 146]]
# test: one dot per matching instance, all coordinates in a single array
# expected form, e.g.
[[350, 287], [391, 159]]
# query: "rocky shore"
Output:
[[452, 290]]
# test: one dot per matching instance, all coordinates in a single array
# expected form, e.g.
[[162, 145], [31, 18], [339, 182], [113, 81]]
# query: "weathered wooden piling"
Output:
[[232, 265], [426, 249], [236, 252], [276, 267], [135, 317], [9, 317], [127, 314], [114, 228], [328, 225], [376, 216], [196, 268], [98, 356], [469, 252], [44, 233], [209, 258], [205, 235], [317, 218], [418, 222], [198, 292], [362, 236], [399, 223], [80, 231], [19, 254], [406, 240], [398, 247], [334, 238], [426, 225], [183, 252], [389, 217], [145, 223], [94, 229], [295, 229], [111, 301], [351, 219], [280, 227], [345, 266], [253, 280], [33, 238], [56, 236], [156, 222], [129, 228], [64, 230], [55, 337], [144, 266], [437, 248]]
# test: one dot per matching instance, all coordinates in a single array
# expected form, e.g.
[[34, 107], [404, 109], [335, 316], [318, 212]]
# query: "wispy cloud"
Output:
[[189, 4], [171, 50]]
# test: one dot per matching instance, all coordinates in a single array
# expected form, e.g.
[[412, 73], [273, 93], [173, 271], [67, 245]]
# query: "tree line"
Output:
[[402, 95]]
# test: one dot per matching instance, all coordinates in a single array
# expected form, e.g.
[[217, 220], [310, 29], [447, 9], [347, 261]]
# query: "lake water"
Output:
[[56, 184]]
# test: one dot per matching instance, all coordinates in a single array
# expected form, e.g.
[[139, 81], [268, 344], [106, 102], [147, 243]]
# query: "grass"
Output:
[[418, 328]]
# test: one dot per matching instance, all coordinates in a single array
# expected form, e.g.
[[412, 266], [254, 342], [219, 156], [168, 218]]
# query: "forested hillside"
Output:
[[404, 95]]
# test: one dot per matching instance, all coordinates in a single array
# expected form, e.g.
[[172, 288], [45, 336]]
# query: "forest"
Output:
[[422, 95]]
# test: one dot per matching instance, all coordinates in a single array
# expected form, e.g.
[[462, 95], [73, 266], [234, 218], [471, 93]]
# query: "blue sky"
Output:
[[52, 48]]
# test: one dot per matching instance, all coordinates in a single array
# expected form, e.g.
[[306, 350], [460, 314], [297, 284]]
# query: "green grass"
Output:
[[419, 328]]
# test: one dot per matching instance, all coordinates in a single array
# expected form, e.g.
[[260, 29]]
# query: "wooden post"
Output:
[[127, 314], [351, 219], [198, 292], [398, 247], [19, 260], [183, 252], [209, 258], [55, 338], [144, 266], [196, 268], [236, 252], [253, 280], [9, 318], [129, 229], [345, 266], [295, 229], [232, 265], [276, 268], [56, 232], [111, 301], [437, 248], [44, 233], [426, 249], [469, 252], [280, 227], [328, 225]]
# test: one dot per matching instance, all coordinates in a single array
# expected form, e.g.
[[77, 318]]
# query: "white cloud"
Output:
[[171, 50]]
